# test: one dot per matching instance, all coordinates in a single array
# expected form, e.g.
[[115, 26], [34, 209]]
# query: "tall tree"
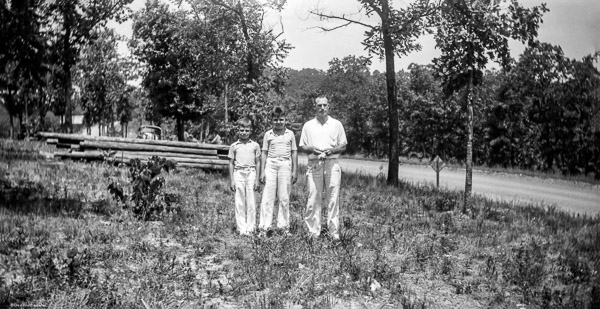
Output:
[[259, 51], [71, 27], [22, 52], [395, 34], [157, 42], [348, 84], [470, 33], [560, 95], [102, 79], [196, 58]]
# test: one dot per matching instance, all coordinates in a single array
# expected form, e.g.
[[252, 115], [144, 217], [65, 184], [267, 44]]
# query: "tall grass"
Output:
[[65, 243]]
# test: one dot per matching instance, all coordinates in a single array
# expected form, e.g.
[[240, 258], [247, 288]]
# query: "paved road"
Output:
[[576, 197]]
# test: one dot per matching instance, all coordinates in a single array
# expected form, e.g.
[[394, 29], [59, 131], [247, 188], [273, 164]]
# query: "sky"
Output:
[[572, 24]]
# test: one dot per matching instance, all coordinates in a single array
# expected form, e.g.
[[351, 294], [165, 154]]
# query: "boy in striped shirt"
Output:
[[279, 162], [244, 167]]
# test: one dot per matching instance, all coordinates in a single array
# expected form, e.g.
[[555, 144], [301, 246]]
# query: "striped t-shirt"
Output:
[[244, 154], [279, 146]]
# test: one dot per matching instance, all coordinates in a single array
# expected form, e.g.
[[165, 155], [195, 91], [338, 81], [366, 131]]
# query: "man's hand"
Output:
[[232, 187], [294, 178], [316, 151], [262, 179]]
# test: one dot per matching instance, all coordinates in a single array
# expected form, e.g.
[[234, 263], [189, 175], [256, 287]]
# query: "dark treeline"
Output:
[[543, 114], [197, 71], [191, 71]]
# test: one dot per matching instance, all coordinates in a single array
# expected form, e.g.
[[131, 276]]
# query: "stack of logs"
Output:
[[123, 150]]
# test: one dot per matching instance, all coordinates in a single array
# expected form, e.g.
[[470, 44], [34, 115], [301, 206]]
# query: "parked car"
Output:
[[149, 132]]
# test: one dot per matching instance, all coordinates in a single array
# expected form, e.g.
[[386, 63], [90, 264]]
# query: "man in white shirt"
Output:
[[323, 139]]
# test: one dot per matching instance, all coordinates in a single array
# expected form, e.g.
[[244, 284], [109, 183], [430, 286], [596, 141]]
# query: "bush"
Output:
[[147, 196]]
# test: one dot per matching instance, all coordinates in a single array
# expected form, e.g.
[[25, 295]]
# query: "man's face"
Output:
[[278, 122], [244, 133], [322, 107]]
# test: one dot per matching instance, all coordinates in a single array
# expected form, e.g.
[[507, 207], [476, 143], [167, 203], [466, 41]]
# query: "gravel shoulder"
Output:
[[571, 196]]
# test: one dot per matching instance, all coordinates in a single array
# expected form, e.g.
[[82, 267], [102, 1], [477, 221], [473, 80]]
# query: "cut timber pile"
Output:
[[123, 150]]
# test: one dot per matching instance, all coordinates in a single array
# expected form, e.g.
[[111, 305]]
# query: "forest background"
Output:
[[198, 66]]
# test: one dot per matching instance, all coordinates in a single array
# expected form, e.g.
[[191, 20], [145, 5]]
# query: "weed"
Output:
[[60, 235], [525, 267], [147, 196]]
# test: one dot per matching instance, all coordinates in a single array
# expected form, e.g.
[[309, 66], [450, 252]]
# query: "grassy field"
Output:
[[66, 243]]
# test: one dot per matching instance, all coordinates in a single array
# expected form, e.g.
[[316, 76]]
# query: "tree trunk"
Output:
[[67, 88], [12, 126], [253, 72], [180, 130], [66, 64], [112, 122], [20, 125], [42, 107], [26, 119], [225, 102], [201, 138], [469, 158], [390, 76]]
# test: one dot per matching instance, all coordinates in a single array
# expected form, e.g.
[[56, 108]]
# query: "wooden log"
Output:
[[81, 137], [203, 166], [80, 155], [68, 141], [194, 165], [52, 141], [144, 147], [175, 159], [160, 154], [66, 146]]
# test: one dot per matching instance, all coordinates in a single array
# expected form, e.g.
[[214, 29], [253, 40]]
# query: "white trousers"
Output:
[[245, 200], [278, 182], [323, 176]]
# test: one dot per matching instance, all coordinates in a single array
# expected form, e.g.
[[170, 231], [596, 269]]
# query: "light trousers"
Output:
[[278, 182], [323, 176], [245, 200]]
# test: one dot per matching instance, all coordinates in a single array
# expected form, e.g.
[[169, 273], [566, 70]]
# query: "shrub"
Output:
[[525, 267], [147, 196]]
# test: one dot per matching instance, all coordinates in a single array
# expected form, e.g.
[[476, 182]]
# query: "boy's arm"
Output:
[[258, 169], [232, 181], [294, 166], [263, 162]]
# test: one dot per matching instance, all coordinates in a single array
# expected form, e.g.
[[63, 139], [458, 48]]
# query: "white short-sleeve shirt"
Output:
[[323, 135], [244, 154], [279, 146]]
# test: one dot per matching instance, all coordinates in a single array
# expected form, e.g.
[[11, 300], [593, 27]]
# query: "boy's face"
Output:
[[244, 132], [278, 122]]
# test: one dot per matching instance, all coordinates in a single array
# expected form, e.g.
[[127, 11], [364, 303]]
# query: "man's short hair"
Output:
[[278, 111], [244, 122], [321, 99]]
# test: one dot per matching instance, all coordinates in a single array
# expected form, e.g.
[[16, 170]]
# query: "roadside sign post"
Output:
[[437, 164]]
